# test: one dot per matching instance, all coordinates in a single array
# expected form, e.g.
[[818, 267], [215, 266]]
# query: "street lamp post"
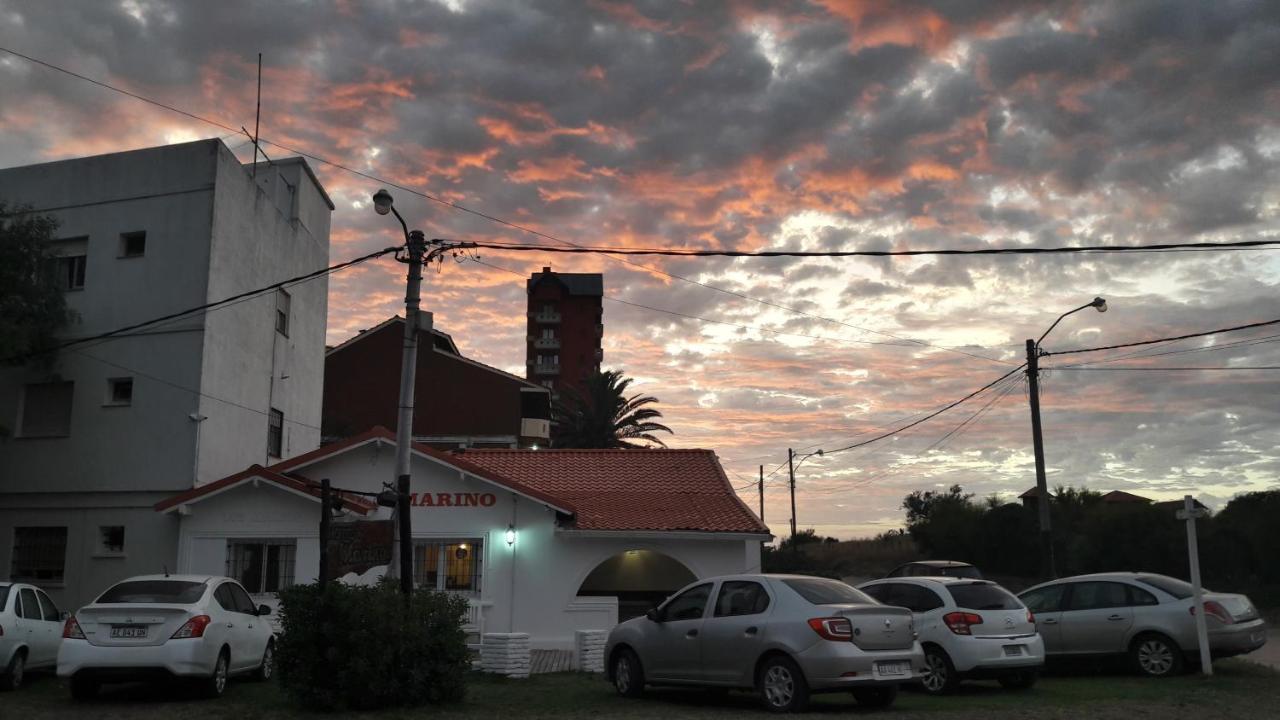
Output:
[[792, 464], [415, 249], [1048, 566]]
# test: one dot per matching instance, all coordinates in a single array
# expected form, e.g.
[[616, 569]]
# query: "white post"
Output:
[[1190, 513]]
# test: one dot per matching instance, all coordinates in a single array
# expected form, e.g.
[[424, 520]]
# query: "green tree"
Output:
[[600, 415], [32, 306]]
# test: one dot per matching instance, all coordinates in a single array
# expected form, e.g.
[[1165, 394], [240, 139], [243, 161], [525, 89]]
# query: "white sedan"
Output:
[[968, 628], [161, 626], [30, 631]]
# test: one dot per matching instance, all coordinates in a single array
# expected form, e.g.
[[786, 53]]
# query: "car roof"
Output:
[[1114, 575], [933, 579], [939, 563], [179, 578]]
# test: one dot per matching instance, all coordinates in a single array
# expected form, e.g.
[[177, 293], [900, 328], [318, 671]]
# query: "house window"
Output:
[[548, 334], [119, 391], [46, 410], [452, 565], [39, 554], [133, 244], [275, 432], [283, 301], [70, 272], [111, 540], [262, 566]]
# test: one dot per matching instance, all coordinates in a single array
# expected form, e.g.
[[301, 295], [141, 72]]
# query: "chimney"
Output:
[[546, 270]]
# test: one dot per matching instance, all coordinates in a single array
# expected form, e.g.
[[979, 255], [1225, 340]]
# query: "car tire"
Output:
[[1021, 680], [940, 674], [216, 684], [628, 674], [15, 673], [1155, 655], [84, 689], [876, 697], [267, 668], [782, 685]]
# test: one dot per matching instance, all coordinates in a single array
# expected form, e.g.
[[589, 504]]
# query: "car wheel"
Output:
[[782, 685], [628, 674], [876, 697], [940, 675], [216, 684], [268, 665], [15, 673], [1155, 655], [83, 689], [1021, 680]]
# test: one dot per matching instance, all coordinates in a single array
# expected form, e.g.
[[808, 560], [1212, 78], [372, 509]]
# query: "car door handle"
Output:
[[751, 631], [691, 634], [230, 625], [1115, 617], [1049, 621]]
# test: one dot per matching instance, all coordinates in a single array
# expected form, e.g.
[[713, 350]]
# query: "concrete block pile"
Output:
[[590, 650], [505, 654]]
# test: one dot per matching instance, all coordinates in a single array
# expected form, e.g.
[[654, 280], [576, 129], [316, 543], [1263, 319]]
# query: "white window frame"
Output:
[[284, 307], [288, 574]]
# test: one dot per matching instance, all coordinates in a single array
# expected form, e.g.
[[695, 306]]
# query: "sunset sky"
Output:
[[770, 125]]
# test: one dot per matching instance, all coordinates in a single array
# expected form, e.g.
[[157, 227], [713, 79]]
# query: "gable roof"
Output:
[[1120, 496], [440, 341], [654, 490], [295, 483]]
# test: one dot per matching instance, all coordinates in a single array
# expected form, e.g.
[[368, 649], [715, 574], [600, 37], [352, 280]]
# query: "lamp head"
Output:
[[382, 202], [511, 535], [1100, 304]]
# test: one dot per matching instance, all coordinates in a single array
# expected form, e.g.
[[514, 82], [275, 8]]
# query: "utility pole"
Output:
[[324, 532], [760, 488], [416, 247], [791, 471], [1047, 565], [1190, 512]]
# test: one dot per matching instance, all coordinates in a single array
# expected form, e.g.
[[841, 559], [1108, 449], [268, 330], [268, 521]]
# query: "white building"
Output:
[[115, 426], [543, 542]]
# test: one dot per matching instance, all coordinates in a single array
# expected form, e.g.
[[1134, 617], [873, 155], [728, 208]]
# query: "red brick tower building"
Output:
[[566, 325]]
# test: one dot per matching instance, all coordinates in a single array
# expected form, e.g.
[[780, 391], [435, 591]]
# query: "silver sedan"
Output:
[[1147, 617], [784, 636]]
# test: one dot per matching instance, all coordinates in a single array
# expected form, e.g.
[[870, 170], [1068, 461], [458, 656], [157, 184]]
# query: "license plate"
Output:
[[129, 631], [893, 669], [1012, 650]]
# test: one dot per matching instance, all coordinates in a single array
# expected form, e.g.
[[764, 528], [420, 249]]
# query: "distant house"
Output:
[[458, 402], [1115, 497], [1031, 497]]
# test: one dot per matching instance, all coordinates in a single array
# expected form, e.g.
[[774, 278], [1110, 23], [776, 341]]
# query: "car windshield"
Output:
[[1180, 589], [176, 592], [821, 591], [983, 596]]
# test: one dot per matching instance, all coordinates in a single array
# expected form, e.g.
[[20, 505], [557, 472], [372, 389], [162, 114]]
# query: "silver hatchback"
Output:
[[1147, 617], [784, 636]]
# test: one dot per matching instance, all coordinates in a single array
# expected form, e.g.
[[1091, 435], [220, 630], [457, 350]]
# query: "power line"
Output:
[[1141, 355], [1162, 340], [486, 216], [1148, 369], [212, 305], [1091, 249]]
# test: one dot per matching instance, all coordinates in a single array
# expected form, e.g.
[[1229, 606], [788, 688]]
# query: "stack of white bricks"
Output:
[[590, 647], [505, 654]]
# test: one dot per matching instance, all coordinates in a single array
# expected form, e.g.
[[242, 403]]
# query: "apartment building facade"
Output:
[[565, 327]]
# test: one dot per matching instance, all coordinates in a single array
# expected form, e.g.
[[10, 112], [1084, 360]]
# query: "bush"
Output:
[[362, 648]]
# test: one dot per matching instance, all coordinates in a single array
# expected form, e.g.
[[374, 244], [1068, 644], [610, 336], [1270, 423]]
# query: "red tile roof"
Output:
[[663, 490], [298, 483]]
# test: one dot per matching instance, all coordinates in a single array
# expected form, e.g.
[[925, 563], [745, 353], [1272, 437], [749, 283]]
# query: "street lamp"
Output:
[[415, 248], [792, 464], [1048, 566]]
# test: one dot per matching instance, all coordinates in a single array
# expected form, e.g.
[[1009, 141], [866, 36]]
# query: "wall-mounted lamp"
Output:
[[511, 535]]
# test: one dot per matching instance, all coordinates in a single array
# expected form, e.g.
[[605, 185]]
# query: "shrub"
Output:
[[363, 648]]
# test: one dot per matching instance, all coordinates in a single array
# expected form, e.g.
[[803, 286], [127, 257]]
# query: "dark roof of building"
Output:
[[1120, 496], [576, 283], [1033, 493]]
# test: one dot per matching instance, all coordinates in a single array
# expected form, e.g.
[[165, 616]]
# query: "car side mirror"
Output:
[[653, 615], [264, 609]]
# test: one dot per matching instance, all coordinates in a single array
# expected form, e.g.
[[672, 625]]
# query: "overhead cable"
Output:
[[1162, 340]]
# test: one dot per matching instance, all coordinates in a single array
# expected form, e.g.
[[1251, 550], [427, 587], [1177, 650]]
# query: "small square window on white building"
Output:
[[283, 301], [119, 391], [275, 432], [110, 539], [133, 244], [46, 410], [39, 554]]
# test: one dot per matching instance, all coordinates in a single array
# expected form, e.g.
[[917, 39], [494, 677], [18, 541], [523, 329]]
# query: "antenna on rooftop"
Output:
[[257, 117]]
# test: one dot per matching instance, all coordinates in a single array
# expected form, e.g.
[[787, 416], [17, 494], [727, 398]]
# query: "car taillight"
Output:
[[833, 628], [1214, 609], [959, 622], [71, 629], [1031, 618], [192, 628]]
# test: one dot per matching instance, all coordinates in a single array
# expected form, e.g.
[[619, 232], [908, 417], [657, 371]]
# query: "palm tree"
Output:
[[600, 415]]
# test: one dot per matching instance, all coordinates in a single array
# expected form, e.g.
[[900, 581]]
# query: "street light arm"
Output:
[[1060, 317], [403, 224]]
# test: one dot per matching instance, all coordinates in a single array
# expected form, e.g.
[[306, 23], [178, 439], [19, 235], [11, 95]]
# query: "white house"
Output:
[[543, 542], [112, 427]]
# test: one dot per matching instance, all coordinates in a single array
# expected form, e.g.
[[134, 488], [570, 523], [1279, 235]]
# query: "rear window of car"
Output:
[[961, 571], [4, 596], [827, 592], [983, 596], [176, 592], [1175, 587]]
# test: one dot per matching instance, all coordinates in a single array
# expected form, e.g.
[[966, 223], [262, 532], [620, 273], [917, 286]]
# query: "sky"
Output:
[[821, 125]]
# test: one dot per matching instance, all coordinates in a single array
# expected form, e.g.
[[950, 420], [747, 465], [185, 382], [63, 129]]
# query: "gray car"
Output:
[[1147, 617], [784, 636]]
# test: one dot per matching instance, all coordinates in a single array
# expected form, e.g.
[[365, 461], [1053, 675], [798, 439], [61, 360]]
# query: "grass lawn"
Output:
[[1239, 690]]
